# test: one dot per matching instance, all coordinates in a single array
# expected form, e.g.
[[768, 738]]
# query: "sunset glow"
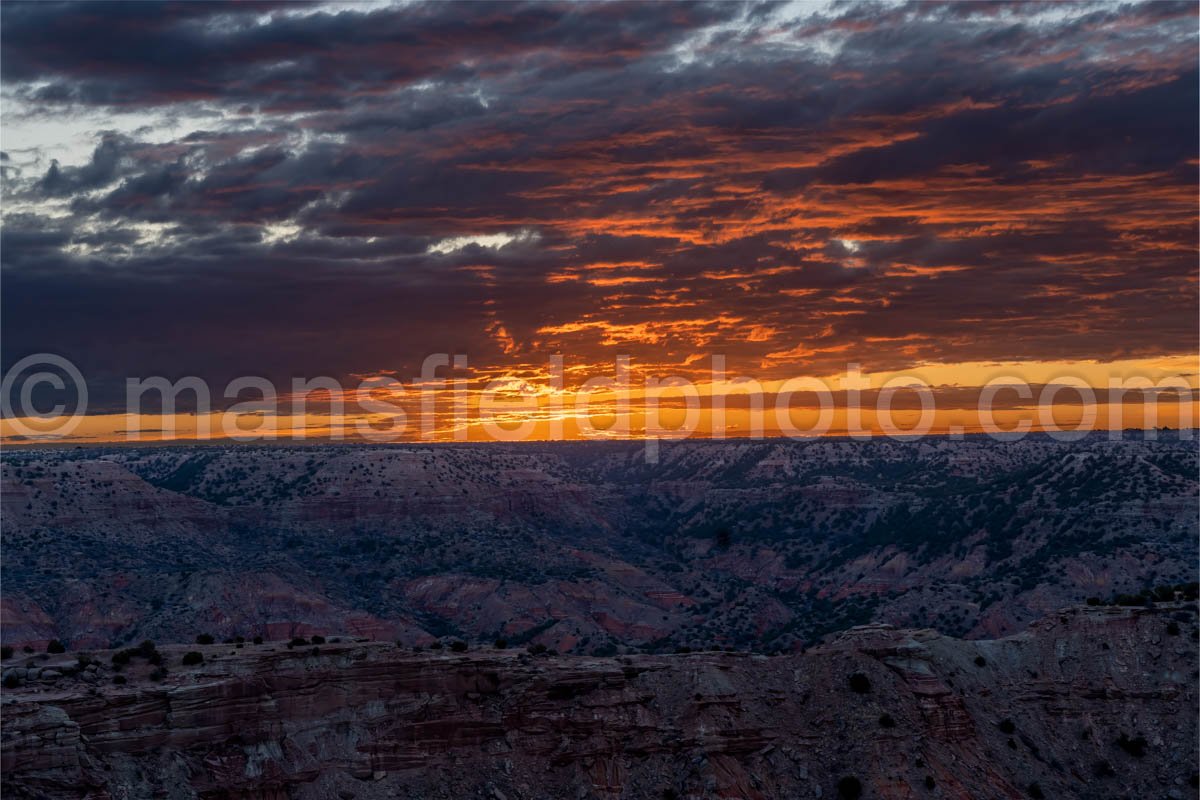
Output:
[[790, 189]]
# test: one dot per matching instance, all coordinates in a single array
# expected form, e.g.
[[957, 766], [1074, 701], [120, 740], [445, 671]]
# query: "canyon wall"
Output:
[[1088, 702]]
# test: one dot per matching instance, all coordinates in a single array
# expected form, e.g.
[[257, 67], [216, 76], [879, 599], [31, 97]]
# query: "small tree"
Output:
[[1136, 746], [849, 788], [55, 646], [724, 538]]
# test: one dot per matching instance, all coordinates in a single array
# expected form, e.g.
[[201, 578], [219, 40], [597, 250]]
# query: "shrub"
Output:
[[860, 683], [204, 638], [1035, 792], [6, 652], [158, 674], [724, 538], [257, 640], [849, 788], [1093, 601], [929, 782], [317, 639], [536, 649], [55, 646], [458, 646], [501, 643], [436, 645], [120, 680], [11, 681], [1006, 726], [192, 657], [1136, 746], [1103, 769], [146, 648], [297, 641], [886, 721], [1172, 629], [980, 661]]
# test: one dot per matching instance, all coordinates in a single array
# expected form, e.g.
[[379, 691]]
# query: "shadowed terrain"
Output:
[[1089, 702], [585, 547]]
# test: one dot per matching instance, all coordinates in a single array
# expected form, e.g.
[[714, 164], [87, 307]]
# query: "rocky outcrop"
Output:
[[1090, 702]]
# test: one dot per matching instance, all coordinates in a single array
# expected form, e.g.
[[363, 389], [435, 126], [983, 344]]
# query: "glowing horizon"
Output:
[[792, 188]]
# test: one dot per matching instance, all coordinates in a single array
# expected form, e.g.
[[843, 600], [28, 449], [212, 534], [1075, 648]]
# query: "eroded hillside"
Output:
[[1090, 702], [586, 547]]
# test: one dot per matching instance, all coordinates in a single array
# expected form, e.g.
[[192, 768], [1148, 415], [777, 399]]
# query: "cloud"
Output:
[[1018, 182]]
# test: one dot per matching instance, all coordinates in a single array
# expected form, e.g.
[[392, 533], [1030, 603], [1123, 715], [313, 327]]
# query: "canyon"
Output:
[[1088, 702], [586, 547]]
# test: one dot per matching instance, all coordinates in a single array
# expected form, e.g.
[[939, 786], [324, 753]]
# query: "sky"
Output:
[[956, 192]]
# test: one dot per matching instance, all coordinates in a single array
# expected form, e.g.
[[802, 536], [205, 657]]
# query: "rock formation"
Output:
[[1088, 702]]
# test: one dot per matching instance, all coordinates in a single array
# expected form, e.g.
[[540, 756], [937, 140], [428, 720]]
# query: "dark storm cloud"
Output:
[[168, 52], [888, 184]]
